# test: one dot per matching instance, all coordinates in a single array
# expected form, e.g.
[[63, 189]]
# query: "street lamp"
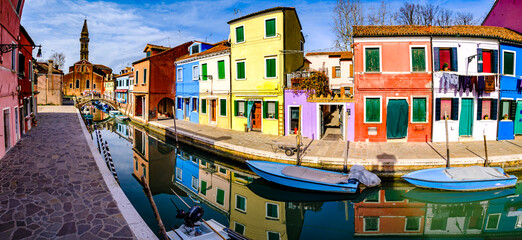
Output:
[[5, 48]]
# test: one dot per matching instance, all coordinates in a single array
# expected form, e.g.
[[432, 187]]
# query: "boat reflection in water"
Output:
[[234, 196]]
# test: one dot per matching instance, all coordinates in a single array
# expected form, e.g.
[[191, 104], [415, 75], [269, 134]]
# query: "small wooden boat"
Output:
[[207, 231], [304, 177], [475, 178], [121, 116], [447, 197]]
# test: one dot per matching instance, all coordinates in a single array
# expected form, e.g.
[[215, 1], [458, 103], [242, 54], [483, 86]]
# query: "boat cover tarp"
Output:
[[474, 173], [364, 176], [314, 175]]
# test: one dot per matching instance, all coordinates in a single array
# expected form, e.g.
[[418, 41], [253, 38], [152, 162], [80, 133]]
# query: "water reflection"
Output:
[[234, 196]]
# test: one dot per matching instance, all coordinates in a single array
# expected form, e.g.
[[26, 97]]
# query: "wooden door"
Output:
[[213, 110], [256, 118]]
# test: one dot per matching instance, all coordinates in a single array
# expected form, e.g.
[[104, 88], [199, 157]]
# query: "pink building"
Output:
[[10, 15], [505, 13]]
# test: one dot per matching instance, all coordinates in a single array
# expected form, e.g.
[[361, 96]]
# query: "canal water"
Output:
[[234, 196]]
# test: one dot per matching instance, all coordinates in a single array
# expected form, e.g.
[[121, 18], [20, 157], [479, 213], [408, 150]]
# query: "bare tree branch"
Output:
[[346, 15], [428, 13], [59, 59], [444, 18], [464, 18], [378, 16], [409, 14]]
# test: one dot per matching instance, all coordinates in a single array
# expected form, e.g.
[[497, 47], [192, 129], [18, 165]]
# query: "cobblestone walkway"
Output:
[[51, 187]]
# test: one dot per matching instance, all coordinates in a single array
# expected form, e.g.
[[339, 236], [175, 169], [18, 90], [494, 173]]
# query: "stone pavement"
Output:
[[385, 156], [51, 187]]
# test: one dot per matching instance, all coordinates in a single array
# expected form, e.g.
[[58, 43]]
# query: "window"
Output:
[[371, 224], [372, 110], [70, 85], [241, 203], [145, 76], [240, 34], [272, 210], [203, 189], [195, 49], [204, 72], [336, 72], [180, 103], [148, 53], [508, 109], [179, 75], [87, 84], [13, 59], [136, 164], [270, 27], [137, 77], [94, 85], [194, 104], [449, 106], [418, 59], [195, 73], [195, 183], [294, 120], [204, 106], [508, 66], [21, 64], [31, 71], [144, 171], [412, 223], [270, 68], [77, 83], [223, 107], [445, 59], [221, 69], [493, 220], [372, 60], [240, 107], [270, 110], [223, 170], [240, 70], [220, 197], [273, 235], [373, 198], [487, 109], [18, 6], [179, 173], [240, 228], [419, 110], [391, 195]]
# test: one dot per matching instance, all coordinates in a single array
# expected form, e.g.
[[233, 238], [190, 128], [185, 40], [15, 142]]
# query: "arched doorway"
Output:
[[165, 107]]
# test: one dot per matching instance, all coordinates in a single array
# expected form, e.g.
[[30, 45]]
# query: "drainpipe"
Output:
[[230, 88], [432, 88]]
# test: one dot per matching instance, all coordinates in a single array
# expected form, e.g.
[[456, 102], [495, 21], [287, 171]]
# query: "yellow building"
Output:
[[265, 46]]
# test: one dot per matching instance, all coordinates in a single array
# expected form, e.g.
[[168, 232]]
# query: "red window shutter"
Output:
[[486, 61]]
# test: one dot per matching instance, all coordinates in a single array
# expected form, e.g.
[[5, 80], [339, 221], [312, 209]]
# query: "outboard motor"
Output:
[[194, 214]]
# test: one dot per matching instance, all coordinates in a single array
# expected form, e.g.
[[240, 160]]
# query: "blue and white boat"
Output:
[[447, 197], [475, 178], [304, 177]]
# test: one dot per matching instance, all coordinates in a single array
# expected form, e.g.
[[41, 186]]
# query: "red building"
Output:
[[393, 84], [10, 15], [27, 102]]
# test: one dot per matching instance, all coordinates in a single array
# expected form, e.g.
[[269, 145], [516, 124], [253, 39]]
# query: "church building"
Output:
[[85, 77]]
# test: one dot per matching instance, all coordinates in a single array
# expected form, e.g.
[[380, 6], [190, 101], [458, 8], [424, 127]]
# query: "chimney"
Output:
[[50, 66]]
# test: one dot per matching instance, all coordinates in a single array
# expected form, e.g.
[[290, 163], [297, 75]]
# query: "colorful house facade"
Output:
[[510, 108], [214, 86], [392, 84], [265, 45], [49, 82], [27, 109], [187, 82], [121, 84]]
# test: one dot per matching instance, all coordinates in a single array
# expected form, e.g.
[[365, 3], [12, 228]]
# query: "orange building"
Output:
[[85, 77]]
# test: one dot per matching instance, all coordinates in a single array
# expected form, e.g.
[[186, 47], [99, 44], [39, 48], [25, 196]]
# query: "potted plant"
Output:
[[505, 117], [486, 117], [445, 67]]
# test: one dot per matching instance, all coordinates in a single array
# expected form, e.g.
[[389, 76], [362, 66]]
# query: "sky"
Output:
[[120, 29]]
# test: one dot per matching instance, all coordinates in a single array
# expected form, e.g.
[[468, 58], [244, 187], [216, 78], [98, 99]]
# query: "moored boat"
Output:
[[206, 230], [121, 116], [446, 197], [475, 178], [304, 177]]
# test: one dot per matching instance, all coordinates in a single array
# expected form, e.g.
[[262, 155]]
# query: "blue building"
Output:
[[187, 83], [510, 109], [187, 171]]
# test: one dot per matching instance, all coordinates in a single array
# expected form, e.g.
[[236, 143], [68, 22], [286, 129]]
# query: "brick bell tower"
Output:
[[84, 42]]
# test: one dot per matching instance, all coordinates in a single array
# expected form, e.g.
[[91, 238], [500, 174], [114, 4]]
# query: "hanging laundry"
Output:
[[454, 80], [444, 81], [473, 83], [490, 84], [481, 85], [464, 83]]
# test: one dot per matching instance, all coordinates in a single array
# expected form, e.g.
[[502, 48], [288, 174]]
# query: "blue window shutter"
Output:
[[479, 60], [454, 60], [494, 109], [479, 109], [455, 109], [494, 61], [437, 109], [436, 60]]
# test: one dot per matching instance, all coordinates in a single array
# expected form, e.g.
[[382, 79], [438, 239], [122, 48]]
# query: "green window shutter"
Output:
[[270, 28], [271, 210], [204, 72], [372, 60], [203, 188], [239, 228], [203, 105], [419, 110], [270, 67], [236, 106], [509, 58], [223, 107], [276, 110], [240, 70], [240, 203], [373, 113], [220, 198], [418, 59], [240, 34], [265, 109], [221, 69]]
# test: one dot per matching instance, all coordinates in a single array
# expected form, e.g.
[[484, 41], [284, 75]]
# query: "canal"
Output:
[[234, 196]]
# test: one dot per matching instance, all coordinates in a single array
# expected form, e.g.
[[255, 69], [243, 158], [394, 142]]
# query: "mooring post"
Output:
[[486, 162], [175, 128]]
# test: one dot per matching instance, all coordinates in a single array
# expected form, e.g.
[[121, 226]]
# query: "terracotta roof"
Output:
[[458, 31], [102, 67], [343, 55], [155, 47], [260, 12], [220, 46]]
